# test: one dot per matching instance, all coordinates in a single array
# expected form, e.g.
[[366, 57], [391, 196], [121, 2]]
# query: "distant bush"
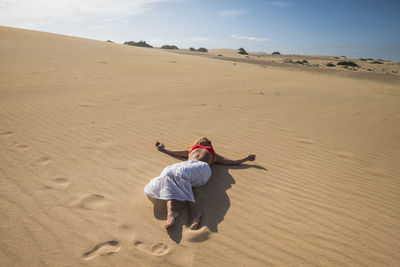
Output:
[[202, 49], [348, 63], [275, 53], [220, 55], [330, 64], [169, 47], [192, 49], [109, 41], [140, 44], [376, 62], [363, 59], [302, 62], [242, 51]]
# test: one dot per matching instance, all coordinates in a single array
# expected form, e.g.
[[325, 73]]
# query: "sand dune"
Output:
[[78, 123]]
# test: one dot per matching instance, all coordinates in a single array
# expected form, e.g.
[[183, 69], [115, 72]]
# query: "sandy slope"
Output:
[[78, 122]]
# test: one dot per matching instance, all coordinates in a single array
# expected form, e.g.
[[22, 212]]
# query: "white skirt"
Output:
[[176, 181]]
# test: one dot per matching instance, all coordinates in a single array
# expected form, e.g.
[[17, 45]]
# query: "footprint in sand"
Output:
[[200, 235], [42, 161], [60, 182], [6, 133], [91, 202], [21, 147], [56, 184], [157, 249], [106, 248]]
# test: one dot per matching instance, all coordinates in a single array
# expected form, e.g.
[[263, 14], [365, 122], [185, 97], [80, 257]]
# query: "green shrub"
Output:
[[348, 63], [330, 64], [169, 47], [192, 49], [376, 62], [242, 51], [302, 62], [140, 44], [202, 49], [276, 53]]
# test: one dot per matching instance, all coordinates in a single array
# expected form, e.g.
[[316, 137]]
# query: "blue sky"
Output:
[[353, 28]]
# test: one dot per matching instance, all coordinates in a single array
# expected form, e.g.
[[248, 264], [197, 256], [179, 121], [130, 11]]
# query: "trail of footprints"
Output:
[[17, 146], [56, 183], [113, 246], [95, 202], [23, 148], [156, 249]]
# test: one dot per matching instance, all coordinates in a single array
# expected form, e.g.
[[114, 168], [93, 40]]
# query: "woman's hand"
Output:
[[160, 146], [251, 157]]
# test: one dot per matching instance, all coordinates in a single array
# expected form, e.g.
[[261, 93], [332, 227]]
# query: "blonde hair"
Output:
[[203, 140]]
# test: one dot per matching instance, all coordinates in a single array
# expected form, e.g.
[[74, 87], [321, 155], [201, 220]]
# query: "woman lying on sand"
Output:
[[176, 181]]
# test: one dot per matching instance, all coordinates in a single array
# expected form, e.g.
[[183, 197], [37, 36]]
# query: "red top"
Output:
[[209, 148]]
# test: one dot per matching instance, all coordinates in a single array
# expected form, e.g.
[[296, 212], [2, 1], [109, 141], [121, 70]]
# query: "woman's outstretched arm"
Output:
[[177, 153], [221, 160]]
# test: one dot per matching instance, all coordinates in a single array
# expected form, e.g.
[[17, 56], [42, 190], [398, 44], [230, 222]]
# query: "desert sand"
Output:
[[78, 123]]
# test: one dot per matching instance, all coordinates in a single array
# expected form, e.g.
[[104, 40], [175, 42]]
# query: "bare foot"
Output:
[[195, 221], [171, 219]]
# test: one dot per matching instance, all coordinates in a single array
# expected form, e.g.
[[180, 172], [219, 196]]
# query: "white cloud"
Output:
[[278, 4], [44, 12], [232, 13], [238, 37], [249, 38], [258, 39]]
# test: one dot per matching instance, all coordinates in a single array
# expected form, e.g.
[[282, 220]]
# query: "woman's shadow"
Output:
[[212, 200]]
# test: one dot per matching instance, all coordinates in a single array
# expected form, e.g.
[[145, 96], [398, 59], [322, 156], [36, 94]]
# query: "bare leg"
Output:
[[194, 215], [170, 214]]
